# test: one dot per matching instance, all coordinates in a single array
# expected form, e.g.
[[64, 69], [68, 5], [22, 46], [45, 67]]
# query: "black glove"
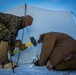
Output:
[[38, 41], [11, 49], [36, 63]]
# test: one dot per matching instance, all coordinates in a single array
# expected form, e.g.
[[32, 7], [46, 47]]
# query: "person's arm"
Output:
[[47, 47], [12, 23], [4, 33], [5, 36]]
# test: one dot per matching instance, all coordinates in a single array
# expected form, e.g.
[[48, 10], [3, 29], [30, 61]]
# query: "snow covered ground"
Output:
[[30, 69]]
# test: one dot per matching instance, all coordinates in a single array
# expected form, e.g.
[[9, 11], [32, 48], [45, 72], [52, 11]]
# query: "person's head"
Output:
[[28, 20], [41, 38]]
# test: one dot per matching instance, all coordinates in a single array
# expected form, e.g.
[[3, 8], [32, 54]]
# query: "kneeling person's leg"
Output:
[[67, 65]]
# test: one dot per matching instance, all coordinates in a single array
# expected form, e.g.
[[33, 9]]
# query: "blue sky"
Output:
[[47, 4]]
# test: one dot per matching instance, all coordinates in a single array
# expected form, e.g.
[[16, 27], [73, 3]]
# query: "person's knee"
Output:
[[66, 65], [49, 65]]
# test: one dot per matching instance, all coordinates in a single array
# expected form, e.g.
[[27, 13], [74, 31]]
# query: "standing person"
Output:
[[9, 26], [58, 51]]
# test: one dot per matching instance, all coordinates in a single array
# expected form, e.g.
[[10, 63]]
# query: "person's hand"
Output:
[[36, 63], [11, 49], [11, 54], [18, 43], [38, 41], [23, 47]]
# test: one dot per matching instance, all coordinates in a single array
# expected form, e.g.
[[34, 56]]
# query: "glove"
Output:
[[38, 41], [23, 47], [18, 43], [36, 63], [11, 49], [11, 54]]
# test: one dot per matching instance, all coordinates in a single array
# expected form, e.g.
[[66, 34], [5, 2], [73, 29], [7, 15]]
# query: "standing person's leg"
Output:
[[3, 44], [3, 51], [4, 35], [4, 61]]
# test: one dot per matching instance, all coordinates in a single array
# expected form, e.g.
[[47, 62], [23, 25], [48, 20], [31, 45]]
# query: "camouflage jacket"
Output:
[[9, 26]]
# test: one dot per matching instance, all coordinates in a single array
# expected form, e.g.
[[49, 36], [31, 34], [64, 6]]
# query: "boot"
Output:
[[7, 64], [4, 62]]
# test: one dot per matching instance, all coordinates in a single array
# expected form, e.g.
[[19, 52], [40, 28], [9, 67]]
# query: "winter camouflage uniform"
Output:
[[9, 27]]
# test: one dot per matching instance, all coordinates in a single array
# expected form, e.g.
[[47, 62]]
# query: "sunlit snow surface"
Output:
[[30, 69]]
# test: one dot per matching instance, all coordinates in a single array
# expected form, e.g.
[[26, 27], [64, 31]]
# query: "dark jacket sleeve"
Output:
[[47, 47]]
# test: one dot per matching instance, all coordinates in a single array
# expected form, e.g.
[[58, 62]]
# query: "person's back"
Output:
[[56, 46]]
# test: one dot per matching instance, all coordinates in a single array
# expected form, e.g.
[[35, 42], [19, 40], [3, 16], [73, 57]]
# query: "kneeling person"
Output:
[[58, 51]]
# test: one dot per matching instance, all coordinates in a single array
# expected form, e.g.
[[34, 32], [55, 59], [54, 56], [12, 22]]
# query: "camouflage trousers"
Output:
[[3, 51]]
